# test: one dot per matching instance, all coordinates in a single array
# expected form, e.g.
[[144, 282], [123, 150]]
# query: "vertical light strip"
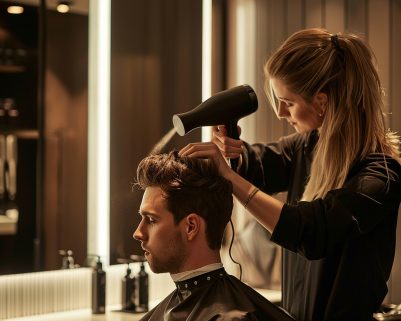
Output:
[[246, 42], [206, 58], [99, 129], [245, 63], [246, 69]]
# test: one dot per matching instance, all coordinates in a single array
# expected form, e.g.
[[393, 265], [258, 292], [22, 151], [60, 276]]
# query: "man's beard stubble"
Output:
[[172, 258]]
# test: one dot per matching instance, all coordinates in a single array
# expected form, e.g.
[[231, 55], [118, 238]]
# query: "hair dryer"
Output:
[[224, 108]]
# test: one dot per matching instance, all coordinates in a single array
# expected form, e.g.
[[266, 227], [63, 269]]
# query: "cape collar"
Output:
[[200, 280]]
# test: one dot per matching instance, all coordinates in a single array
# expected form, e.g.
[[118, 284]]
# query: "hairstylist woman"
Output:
[[341, 170]]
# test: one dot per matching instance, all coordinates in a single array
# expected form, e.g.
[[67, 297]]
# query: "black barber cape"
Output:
[[215, 296]]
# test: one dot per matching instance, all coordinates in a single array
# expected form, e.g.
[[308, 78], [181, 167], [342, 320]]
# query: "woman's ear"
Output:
[[193, 226], [321, 103]]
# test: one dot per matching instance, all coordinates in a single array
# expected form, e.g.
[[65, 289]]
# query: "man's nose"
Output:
[[138, 234], [283, 110]]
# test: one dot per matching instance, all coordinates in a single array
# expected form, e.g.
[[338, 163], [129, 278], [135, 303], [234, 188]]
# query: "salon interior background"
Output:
[[156, 71]]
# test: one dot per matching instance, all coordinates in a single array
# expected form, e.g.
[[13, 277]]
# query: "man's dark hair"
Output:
[[190, 185]]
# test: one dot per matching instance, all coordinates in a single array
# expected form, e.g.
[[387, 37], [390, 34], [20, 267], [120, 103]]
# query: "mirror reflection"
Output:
[[43, 130], [149, 77]]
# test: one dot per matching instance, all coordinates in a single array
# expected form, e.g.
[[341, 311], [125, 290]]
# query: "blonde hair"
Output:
[[342, 66]]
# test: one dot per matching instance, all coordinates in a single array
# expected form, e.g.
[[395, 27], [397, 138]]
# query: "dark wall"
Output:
[[156, 63], [65, 130]]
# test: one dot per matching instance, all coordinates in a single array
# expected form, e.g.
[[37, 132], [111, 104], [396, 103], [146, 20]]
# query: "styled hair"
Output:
[[190, 185], [344, 68]]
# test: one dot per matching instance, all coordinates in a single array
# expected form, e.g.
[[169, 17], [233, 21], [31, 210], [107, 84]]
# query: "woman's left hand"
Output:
[[207, 150]]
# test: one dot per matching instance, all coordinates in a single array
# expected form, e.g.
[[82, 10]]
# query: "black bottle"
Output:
[[127, 291], [98, 288], [142, 290]]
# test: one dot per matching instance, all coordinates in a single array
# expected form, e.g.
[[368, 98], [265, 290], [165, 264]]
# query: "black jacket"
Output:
[[339, 250]]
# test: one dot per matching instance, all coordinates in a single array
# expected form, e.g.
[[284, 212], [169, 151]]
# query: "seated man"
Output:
[[185, 209]]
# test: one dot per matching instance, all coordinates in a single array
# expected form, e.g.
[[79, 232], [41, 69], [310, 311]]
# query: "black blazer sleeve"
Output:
[[268, 166], [369, 196]]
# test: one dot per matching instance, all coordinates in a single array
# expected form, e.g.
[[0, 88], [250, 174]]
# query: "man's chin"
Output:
[[154, 267], [157, 270]]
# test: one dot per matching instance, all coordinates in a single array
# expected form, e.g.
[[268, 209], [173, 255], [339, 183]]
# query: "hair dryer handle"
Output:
[[232, 129], [232, 132]]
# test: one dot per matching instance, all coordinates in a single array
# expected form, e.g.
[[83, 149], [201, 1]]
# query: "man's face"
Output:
[[163, 241]]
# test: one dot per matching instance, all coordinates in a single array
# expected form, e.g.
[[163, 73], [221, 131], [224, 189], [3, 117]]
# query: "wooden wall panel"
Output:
[[356, 16], [395, 65], [295, 16], [335, 15], [314, 10], [156, 61], [379, 40]]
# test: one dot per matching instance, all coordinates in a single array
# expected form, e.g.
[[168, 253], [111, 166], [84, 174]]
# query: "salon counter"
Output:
[[82, 315], [112, 315]]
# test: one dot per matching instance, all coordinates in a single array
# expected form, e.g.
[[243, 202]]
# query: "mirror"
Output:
[[156, 63], [43, 130]]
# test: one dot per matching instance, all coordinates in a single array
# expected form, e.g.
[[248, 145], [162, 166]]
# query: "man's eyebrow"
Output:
[[144, 213]]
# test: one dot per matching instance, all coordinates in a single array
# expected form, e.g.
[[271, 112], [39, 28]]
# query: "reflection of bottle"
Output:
[[141, 290], [127, 291], [8, 56], [2, 112], [68, 259], [10, 110], [2, 53], [20, 56], [12, 159], [2, 168], [98, 288]]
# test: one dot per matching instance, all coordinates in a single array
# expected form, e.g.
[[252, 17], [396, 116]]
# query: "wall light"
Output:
[[206, 59], [99, 130], [15, 9], [63, 6]]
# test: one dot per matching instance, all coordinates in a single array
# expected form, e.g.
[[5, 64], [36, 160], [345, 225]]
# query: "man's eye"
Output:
[[150, 220]]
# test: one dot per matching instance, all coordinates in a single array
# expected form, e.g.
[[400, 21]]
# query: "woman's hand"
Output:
[[229, 147], [262, 206], [207, 150]]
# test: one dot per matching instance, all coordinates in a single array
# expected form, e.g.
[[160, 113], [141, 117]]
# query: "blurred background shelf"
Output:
[[12, 69], [21, 133]]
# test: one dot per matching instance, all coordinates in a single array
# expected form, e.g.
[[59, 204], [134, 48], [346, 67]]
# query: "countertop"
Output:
[[82, 315], [112, 315]]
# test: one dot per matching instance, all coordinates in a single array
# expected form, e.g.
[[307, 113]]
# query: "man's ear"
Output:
[[192, 226], [321, 102]]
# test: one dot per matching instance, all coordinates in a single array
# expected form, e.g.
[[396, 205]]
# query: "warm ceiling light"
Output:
[[15, 9], [63, 7]]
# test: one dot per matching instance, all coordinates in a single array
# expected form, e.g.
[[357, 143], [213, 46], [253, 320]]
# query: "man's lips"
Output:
[[145, 250]]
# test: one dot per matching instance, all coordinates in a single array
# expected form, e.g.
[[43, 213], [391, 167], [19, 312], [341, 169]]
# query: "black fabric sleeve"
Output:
[[268, 166], [314, 228]]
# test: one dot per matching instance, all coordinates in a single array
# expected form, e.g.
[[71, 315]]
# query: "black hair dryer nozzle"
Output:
[[224, 108]]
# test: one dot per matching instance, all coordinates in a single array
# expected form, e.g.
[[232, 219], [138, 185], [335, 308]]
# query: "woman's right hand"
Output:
[[229, 147]]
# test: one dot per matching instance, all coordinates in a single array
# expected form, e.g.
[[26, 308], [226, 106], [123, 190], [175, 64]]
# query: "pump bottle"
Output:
[[127, 291], [98, 288], [142, 290]]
